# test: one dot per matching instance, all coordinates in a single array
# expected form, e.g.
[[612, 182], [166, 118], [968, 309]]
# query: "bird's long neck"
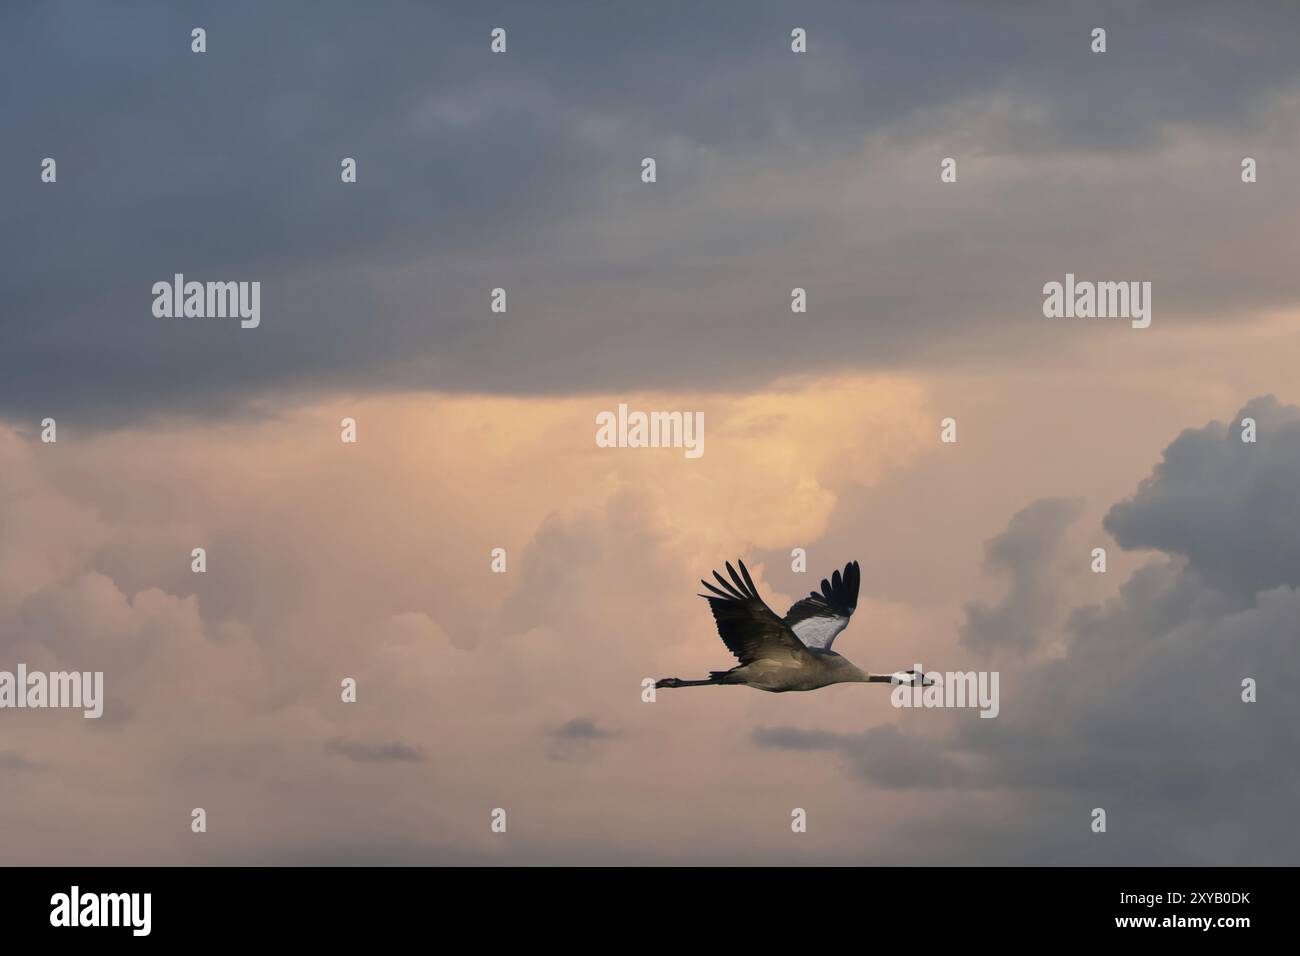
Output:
[[851, 673], [857, 675]]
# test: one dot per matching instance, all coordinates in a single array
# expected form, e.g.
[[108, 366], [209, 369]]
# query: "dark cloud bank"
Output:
[[522, 171]]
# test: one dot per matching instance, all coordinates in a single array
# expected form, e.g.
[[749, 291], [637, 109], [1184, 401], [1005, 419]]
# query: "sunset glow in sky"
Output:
[[522, 690]]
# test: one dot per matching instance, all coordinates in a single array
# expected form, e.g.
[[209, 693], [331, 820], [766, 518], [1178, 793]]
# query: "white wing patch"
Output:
[[818, 618], [819, 631]]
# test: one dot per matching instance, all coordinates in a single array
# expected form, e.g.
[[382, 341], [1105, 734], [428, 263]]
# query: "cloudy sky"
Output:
[[476, 429]]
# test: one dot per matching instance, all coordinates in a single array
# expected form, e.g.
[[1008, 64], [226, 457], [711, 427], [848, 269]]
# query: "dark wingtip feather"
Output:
[[840, 592], [730, 591], [716, 592], [740, 585]]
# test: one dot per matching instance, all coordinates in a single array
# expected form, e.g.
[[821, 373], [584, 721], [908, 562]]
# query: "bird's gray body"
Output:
[[790, 653], [795, 672]]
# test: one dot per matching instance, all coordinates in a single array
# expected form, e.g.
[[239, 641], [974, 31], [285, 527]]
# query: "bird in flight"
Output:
[[791, 653]]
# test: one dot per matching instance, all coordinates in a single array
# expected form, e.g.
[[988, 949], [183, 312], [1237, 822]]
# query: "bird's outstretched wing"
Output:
[[750, 629], [819, 618]]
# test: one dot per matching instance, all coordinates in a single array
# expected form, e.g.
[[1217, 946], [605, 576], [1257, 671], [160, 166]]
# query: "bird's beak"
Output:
[[914, 678]]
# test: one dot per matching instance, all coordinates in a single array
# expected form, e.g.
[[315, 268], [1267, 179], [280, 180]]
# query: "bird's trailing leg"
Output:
[[678, 682]]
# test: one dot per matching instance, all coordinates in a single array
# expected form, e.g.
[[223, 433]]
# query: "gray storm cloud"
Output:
[[1227, 506], [883, 756], [581, 728], [361, 751], [521, 171], [1030, 553]]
